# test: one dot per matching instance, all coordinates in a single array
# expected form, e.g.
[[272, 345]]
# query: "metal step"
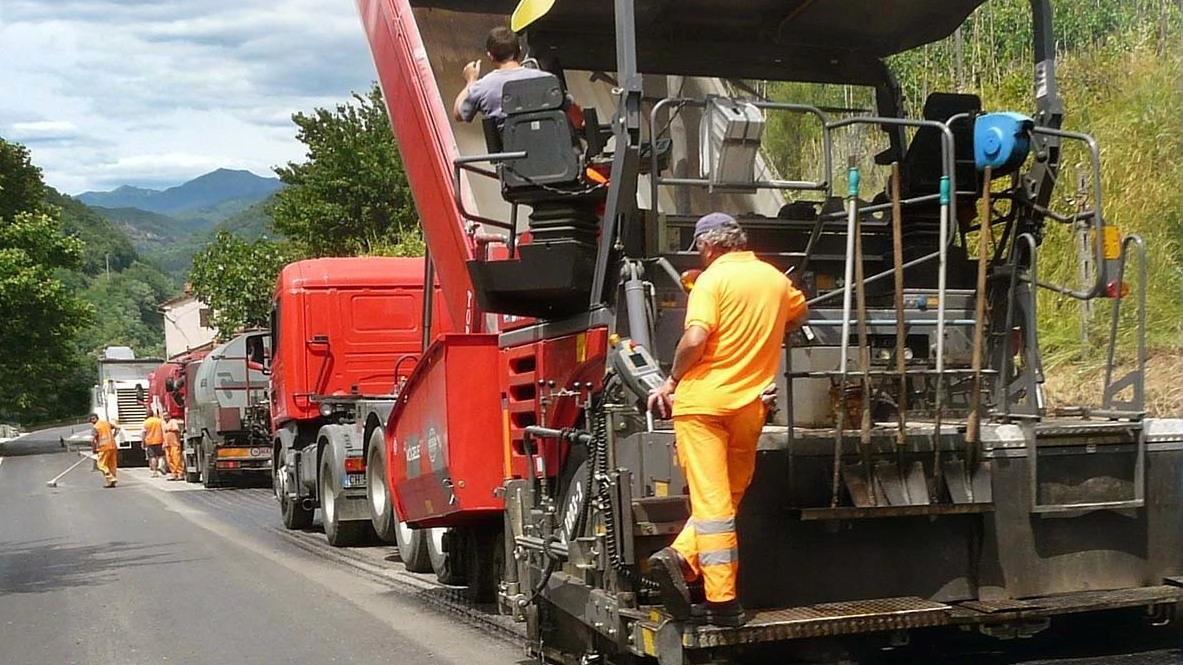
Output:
[[859, 616]]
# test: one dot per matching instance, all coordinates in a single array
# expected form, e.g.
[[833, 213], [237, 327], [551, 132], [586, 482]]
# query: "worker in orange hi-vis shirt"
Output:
[[738, 313], [103, 445], [172, 447], [154, 442]]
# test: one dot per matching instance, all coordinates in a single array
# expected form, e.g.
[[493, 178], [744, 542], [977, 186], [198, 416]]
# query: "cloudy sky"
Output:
[[155, 92]]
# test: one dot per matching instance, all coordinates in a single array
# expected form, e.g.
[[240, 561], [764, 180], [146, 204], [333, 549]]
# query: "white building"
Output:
[[186, 324]]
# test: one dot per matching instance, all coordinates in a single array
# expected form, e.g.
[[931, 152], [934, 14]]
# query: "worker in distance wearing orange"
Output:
[[154, 442], [172, 447], [103, 445], [737, 316]]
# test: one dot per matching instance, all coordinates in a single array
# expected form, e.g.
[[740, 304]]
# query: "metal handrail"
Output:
[[655, 179], [1136, 378], [466, 164]]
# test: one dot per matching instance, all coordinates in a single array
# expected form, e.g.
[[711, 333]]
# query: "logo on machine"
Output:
[[433, 446]]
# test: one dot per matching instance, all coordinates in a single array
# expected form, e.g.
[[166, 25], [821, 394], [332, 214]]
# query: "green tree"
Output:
[[235, 278], [42, 316], [351, 195]]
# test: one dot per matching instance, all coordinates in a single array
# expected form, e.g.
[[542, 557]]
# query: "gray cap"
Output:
[[711, 222]]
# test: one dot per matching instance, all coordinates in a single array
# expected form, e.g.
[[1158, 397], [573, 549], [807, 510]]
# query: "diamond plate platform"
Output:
[[823, 620]]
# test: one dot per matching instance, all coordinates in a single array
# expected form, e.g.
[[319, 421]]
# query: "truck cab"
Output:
[[346, 333]]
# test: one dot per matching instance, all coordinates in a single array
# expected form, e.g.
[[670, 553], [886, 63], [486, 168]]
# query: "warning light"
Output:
[[688, 278], [1113, 290], [613, 339], [355, 464]]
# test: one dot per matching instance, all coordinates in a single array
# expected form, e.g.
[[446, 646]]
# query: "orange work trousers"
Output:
[[176, 467], [107, 463], [718, 456]]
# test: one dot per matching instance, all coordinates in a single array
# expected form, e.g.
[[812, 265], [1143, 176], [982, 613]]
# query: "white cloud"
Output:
[[155, 92]]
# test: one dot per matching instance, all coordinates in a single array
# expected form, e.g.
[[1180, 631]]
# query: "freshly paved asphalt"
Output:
[[146, 573]]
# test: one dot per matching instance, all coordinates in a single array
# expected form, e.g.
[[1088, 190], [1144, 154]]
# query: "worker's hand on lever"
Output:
[[472, 71], [661, 398]]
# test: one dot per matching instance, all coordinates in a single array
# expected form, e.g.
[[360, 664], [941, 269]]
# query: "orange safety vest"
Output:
[[105, 434]]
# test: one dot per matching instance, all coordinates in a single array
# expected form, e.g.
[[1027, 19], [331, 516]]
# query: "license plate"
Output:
[[355, 480]]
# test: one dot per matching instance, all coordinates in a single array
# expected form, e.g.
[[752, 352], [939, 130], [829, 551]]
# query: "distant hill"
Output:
[[208, 191], [147, 230], [249, 224]]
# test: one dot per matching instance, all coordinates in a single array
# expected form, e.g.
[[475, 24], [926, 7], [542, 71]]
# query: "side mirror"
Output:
[[169, 384]]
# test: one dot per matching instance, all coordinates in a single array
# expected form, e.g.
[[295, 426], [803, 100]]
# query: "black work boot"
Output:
[[728, 613], [665, 567]]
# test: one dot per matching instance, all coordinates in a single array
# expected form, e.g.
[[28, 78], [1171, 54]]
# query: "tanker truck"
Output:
[[226, 414]]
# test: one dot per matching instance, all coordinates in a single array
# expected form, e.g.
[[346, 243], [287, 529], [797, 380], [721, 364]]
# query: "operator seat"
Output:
[[551, 275], [921, 175], [921, 166]]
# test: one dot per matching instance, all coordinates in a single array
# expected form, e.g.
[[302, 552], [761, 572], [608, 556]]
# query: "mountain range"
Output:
[[169, 226], [205, 191]]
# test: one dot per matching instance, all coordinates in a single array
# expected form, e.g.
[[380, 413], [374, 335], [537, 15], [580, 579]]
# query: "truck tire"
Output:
[[338, 532], [209, 471], [412, 548], [448, 568], [295, 515], [377, 493], [484, 551]]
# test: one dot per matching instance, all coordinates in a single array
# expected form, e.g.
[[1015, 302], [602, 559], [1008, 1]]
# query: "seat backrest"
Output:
[[536, 123], [922, 161]]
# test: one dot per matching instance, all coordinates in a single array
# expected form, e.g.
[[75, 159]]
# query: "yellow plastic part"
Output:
[[527, 12]]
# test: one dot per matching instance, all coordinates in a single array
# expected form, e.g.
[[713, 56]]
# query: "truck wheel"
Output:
[[209, 473], [339, 533], [295, 515], [381, 510], [484, 551], [412, 548], [448, 568]]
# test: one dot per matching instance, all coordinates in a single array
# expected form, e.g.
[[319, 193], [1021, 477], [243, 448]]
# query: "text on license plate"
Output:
[[355, 480]]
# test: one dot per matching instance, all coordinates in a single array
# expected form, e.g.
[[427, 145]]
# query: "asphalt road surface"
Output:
[[163, 572], [167, 572]]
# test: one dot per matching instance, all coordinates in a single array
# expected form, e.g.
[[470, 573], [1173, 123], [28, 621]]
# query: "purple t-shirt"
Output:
[[485, 95]]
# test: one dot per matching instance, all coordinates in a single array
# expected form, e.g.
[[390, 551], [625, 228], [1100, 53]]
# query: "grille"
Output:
[[131, 412]]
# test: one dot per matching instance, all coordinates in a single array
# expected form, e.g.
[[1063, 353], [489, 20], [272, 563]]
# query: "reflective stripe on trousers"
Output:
[[718, 456]]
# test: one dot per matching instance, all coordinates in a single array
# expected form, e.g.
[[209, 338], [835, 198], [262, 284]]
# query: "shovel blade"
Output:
[[890, 483], [856, 484]]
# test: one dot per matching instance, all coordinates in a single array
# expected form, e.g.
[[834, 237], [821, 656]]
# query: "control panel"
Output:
[[633, 364]]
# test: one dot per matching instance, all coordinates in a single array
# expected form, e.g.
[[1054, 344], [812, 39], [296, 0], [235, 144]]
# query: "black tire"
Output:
[[448, 569], [377, 493], [339, 533], [209, 472], [412, 548], [295, 515], [484, 550]]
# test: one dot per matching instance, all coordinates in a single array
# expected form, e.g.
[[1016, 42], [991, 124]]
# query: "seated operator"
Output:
[[484, 94]]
